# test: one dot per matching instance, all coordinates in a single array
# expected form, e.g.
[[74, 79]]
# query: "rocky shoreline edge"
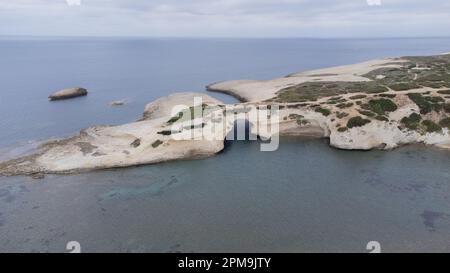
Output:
[[380, 104]]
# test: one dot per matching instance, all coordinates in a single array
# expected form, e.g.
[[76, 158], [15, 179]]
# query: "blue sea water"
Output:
[[303, 197]]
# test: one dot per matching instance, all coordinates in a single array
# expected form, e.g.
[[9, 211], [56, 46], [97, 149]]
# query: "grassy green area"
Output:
[[311, 91], [414, 72], [427, 103], [417, 72], [357, 122]]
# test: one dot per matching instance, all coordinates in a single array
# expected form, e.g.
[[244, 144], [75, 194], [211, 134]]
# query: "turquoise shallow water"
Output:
[[304, 197]]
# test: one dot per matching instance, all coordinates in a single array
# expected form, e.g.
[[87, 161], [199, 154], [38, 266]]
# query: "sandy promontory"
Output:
[[380, 104]]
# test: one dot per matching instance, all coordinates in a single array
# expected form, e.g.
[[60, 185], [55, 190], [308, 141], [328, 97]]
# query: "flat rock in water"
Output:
[[117, 103], [68, 94]]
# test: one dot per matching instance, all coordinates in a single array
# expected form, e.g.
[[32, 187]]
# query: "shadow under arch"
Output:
[[242, 131]]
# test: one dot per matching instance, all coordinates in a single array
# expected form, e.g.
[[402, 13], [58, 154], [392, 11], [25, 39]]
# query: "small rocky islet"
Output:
[[68, 93], [379, 104]]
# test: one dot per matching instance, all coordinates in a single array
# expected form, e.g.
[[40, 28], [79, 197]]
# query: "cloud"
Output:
[[374, 2], [73, 2], [231, 18]]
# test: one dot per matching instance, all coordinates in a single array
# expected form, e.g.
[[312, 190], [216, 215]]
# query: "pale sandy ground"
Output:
[[253, 91]]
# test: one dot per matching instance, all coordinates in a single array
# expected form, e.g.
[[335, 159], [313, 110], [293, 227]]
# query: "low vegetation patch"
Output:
[[427, 104], [175, 118], [295, 116], [367, 113], [431, 127], [391, 96], [157, 143], [403, 86], [345, 105], [412, 122], [311, 91], [341, 115], [445, 123], [381, 118], [417, 72], [165, 133], [358, 97], [192, 112], [381, 106], [412, 73], [447, 107], [336, 100], [357, 122], [323, 111]]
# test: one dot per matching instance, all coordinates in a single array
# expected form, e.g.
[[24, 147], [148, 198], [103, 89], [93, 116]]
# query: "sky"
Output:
[[226, 18]]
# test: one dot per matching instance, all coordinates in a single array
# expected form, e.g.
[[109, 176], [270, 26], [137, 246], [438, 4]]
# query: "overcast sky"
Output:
[[226, 18]]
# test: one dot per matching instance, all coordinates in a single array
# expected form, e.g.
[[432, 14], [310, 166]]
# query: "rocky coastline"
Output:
[[380, 104]]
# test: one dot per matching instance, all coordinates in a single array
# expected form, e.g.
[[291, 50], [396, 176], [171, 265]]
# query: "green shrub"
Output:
[[412, 122], [445, 123], [342, 129], [431, 127], [165, 133], [367, 113], [381, 118], [444, 92], [345, 105], [336, 100], [323, 111], [427, 103], [391, 96], [447, 107], [404, 86], [341, 115], [295, 116], [358, 97], [311, 91], [157, 143], [175, 118], [381, 106], [357, 122]]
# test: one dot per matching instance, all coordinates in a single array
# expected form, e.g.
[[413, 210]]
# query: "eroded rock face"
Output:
[[68, 94]]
